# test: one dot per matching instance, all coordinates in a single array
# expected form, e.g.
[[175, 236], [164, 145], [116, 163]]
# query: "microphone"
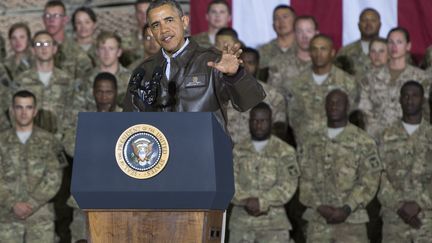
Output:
[[172, 91], [136, 79], [151, 87]]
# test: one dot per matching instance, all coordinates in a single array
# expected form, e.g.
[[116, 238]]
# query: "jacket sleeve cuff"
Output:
[[351, 204]]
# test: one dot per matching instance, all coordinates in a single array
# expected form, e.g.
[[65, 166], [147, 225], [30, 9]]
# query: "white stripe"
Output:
[[351, 10], [253, 20]]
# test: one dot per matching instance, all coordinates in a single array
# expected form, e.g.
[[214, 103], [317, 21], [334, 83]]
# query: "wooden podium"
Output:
[[183, 202], [155, 226]]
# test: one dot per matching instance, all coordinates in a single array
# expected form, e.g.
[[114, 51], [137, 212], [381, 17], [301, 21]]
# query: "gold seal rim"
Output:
[[144, 128]]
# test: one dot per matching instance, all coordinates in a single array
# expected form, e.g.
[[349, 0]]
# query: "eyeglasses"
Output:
[[52, 16], [40, 44]]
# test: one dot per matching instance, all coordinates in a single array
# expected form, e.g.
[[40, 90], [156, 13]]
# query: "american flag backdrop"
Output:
[[252, 19]]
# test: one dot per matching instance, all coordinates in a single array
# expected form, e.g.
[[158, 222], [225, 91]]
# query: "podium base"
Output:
[[137, 226]]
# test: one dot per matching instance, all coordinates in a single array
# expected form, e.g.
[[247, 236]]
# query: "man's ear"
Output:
[[185, 20]]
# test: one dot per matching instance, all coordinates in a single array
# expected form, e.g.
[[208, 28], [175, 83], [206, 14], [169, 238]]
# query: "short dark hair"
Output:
[[322, 36], [262, 106], [24, 94], [55, 3], [369, 10], [43, 32], [228, 31], [413, 83], [402, 30], [340, 91], [219, 2], [19, 25], [252, 51], [306, 17], [88, 11], [283, 6], [172, 3], [105, 76]]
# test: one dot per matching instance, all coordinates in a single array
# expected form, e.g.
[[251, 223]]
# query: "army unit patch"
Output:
[[142, 151]]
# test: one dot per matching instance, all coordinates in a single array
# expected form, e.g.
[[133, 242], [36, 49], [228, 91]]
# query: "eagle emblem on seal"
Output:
[[142, 151]]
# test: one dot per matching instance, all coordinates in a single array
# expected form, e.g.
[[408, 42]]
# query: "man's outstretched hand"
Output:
[[230, 61]]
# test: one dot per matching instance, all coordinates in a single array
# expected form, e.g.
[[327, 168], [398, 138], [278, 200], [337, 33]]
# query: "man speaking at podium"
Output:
[[184, 77]]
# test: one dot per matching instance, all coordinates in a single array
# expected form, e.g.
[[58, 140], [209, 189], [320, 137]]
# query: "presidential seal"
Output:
[[142, 151]]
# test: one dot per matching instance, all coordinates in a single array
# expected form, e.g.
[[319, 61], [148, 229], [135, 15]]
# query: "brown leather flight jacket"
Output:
[[198, 88]]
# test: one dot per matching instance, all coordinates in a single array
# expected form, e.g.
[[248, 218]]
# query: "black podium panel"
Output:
[[198, 174]]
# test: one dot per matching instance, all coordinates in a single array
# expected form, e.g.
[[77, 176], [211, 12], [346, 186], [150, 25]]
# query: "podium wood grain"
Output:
[[154, 226]]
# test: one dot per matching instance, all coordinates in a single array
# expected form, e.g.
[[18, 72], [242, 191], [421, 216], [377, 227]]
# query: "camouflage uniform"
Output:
[[56, 102], [408, 177], [306, 108], [379, 99], [271, 176], [2, 49], [341, 171], [238, 122], [122, 76], [359, 59], [427, 59], [30, 173], [268, 52], [203, 39], [78, 226], [6, 91], [15, 69], [72, 59], [133, 48], [284, 68]]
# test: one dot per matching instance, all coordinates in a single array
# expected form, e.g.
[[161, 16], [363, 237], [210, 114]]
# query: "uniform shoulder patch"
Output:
[[374, 162], [293, 170]]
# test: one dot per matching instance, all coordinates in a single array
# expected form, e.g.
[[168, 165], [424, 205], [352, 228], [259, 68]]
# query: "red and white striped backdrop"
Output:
[[338, 18]]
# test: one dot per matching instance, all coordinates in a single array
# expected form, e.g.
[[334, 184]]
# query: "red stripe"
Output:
[[328, 14], [198, 10], [415, 16]]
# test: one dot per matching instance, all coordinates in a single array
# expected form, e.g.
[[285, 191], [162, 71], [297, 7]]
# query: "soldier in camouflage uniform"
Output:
[[30, 176], [84, 23], [378, 53], [369, 26], [340, 176], [218, 16], [20, 41], [69, 57], [55, 89], [132, 44], [406, 188], [109, 49], [266, 176], [283, 24], [151, 47], [380, 87], [286, 66], [237, 121], [306, 108]]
